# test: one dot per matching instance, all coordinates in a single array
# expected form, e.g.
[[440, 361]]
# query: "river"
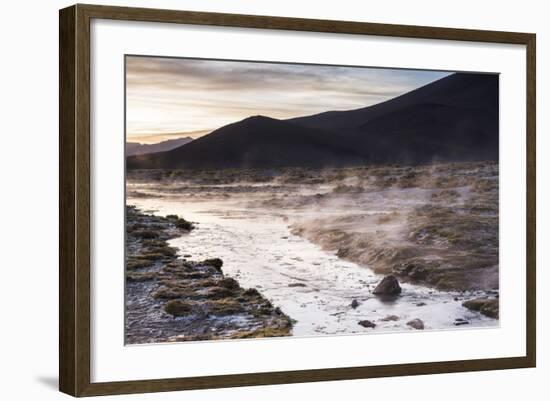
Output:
[[312, 286]]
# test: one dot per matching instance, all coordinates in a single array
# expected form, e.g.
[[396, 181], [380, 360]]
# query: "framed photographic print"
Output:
[[250, 200]]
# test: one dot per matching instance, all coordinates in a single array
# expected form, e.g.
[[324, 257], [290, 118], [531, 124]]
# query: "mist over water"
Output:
[[312, 242]]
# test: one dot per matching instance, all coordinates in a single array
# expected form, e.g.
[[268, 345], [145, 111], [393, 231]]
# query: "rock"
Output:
[[354, 304], [390, 318], [388, 286], [460, 322], [296, 285], [487, 306], [416, 324], [421, 304], [367, 323]]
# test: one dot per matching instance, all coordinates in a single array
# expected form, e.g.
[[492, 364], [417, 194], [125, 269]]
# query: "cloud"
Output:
[[173, 95]]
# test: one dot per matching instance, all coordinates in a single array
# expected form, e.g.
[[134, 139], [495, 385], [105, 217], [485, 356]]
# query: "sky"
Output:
[[168, 98]]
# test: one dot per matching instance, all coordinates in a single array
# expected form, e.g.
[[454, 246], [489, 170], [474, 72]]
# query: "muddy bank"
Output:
[[169, 298]]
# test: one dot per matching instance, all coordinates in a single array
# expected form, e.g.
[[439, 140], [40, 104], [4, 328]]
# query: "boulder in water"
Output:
[[416, 324], [367, 323], [389, 286]]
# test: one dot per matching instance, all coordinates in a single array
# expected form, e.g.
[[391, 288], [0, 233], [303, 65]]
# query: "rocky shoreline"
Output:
[[172, 299]]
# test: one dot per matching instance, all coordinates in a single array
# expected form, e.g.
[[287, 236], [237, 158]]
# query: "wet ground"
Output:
[[171, 298], [314, 242]]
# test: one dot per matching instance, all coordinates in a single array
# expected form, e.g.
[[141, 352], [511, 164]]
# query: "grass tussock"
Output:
[[218, 293], [263, 332], [193, 275], [173, 293], [262, 310], [214, 262], [252, 293], [183, 224], [229, 283], [133, 263], [178, 308], [224, 307], [140, 277], [145, 234], [487, 306], [164, 250], [152, 256]]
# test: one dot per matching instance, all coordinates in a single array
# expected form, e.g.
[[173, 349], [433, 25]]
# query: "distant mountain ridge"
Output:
[[452, 119], [135, 148]]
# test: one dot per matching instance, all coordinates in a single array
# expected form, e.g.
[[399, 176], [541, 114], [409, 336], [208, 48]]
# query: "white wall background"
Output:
[[28, 166]]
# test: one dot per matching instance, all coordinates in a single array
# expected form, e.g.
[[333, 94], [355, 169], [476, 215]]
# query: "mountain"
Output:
[[258, 142], [452, 119], [135, 148]]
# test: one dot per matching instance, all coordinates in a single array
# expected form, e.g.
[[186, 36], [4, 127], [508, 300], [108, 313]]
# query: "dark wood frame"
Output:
[[74, 199]]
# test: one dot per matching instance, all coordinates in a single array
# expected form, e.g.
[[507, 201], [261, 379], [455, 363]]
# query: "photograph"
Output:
[[272, 199]]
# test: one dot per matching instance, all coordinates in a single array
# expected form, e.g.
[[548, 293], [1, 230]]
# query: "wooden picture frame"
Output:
[[74, 199]]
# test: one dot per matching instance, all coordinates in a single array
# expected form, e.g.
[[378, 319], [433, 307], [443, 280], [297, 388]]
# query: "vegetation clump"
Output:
[[218, 292], [133, 263], [252, 292], [224, 306], [264, 332], [173, 293], [145, 234], [214, 262], [228, 282], [140, 277], [178, 308], [184, 224], [486, 306]]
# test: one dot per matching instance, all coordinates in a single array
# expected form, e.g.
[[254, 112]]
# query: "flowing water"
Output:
[[312, 286]]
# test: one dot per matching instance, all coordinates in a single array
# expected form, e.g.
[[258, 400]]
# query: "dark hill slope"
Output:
[[452, 119], [258, 142], [476, 91]]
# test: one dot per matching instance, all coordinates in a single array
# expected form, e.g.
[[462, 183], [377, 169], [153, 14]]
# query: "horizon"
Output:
[[170, 98]]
